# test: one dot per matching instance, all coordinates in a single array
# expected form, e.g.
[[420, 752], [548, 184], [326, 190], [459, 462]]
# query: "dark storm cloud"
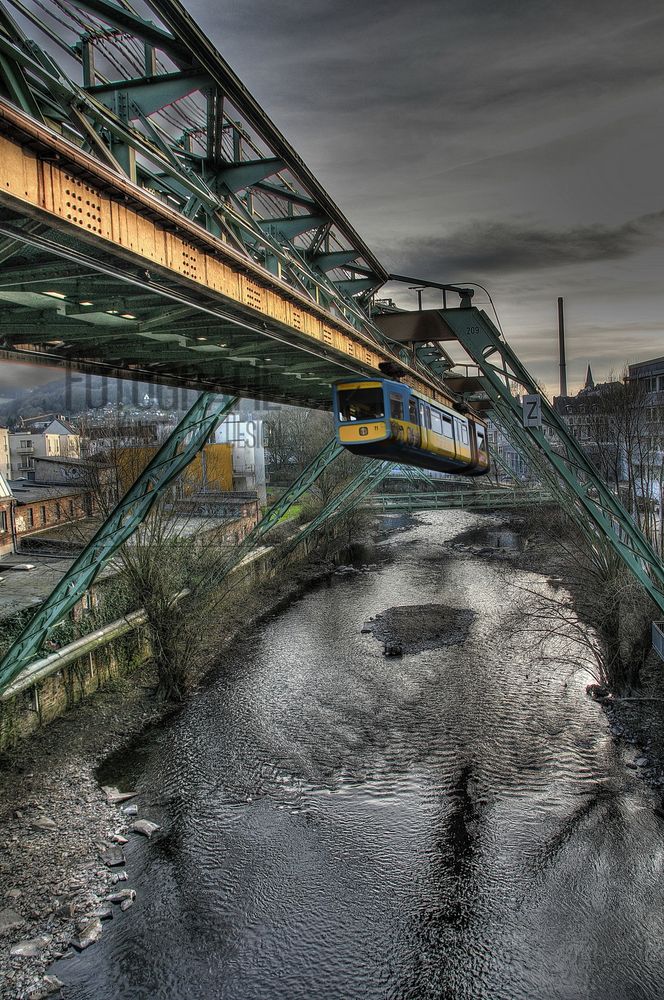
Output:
[[504, 247], [437, 58]]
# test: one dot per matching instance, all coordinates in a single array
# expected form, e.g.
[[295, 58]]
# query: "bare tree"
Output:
[[600, 621]]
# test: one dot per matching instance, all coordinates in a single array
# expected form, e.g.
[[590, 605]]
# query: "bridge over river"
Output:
[[336, 824], [155, 224]]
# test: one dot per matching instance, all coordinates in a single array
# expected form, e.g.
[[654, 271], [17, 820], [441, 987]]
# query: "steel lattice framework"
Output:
[[156, 224]]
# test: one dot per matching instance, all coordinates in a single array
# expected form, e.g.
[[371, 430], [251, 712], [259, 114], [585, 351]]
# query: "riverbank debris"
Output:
[[30, 947], [10, 920], [43, 823]]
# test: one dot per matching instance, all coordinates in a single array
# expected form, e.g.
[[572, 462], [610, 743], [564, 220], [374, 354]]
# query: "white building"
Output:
[[57, 440], [5, 465], [247, 439]]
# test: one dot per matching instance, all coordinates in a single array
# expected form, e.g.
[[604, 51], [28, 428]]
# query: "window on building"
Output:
[[31, 517], [3, 520], [43, 514], [71, 508]]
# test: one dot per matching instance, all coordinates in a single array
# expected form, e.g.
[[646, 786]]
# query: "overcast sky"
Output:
[[517, 144]]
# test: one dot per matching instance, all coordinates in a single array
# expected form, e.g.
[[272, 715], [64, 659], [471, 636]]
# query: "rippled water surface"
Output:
[[455, 823]]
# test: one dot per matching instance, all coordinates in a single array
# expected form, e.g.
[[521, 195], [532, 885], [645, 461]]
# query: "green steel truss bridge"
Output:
[[156, 225], [476, 499]]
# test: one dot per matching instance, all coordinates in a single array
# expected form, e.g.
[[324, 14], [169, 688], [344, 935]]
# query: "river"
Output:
[[340, 825]]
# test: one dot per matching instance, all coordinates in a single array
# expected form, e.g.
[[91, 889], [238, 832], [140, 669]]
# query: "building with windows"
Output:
[[246, 437], [39, 506], [57, 440], [500, 446], [6, 518]]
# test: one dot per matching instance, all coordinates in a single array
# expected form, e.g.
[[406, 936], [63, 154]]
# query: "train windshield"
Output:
[[364, 403]]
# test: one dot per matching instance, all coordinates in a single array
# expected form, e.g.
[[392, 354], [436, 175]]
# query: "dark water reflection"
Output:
[[452, 824]]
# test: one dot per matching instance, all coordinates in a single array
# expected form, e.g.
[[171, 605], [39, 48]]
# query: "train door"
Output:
[[425, 424], [414, 434], [462, 440], [473, 443]]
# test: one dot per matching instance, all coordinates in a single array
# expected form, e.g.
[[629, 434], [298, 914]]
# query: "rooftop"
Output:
[[27, 491]]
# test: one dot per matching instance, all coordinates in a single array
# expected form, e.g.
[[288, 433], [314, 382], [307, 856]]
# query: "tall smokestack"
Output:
[[561, 348]]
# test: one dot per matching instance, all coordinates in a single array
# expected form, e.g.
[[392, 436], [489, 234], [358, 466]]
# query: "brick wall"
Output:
[[48, 512], [6, 540]]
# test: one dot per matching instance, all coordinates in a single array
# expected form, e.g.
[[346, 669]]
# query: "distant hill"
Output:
[[76, 393]]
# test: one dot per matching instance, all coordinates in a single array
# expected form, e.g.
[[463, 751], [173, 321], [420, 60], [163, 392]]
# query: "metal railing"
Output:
[[658, 638]]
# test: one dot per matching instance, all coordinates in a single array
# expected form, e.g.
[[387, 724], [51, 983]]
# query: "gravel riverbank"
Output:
[[61, 836]]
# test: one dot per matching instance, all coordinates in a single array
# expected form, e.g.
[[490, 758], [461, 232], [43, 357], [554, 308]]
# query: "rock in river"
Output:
[[113, 856], [89, 931], [121, 896], [114, 795], [48, 986], [145, 827]]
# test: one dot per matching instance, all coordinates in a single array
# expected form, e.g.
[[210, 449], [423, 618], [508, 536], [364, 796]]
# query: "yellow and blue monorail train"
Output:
[[380, 418]]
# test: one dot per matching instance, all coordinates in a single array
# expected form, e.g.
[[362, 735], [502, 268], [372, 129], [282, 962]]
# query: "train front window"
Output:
[[481, 441], [365, 403]]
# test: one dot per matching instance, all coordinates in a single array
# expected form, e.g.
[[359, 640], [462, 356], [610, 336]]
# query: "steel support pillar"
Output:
[[173, 457], [304, 482], [585, 491], [348, 499]]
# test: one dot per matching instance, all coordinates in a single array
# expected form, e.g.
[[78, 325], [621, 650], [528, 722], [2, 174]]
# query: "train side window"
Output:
[[396, 407], [464, 433], [435, 422], [412, 411], [481, 440], [447, 426], [427, 417]]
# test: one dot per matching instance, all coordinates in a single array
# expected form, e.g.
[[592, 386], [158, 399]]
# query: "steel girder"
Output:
[[348, 498], [180, 448], [157, 103], [583, 490], [275, 513]]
